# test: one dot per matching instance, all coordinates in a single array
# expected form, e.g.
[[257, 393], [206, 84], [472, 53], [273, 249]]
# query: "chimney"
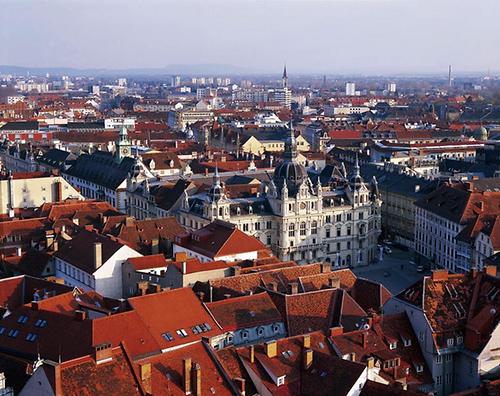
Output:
[[155, 246], [240, 385], [103, 353], [80, 315], [236, 270], [187, 376], [55, 245], [97, 254], [326, 267], [145, 372], [370, 362], [19, 251], [251, 351], [364, 340], [142, 288], [307, 358], [306, 341], [353, 356], [180, 256], [129, 221], [336, 331], [273, 286], [439, 275], [334, 282], [490, 270], [184, 267], [34, 305], [196, 376], [271, 348], [49, 238], [293, 288]]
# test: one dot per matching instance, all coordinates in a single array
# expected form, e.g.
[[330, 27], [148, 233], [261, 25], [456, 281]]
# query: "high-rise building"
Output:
[[391, 87], [176, 81], [350, 89]]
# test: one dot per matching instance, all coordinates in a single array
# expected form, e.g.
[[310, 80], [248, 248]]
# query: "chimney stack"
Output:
[[370, 362], [439, 275], [97, 254], [307, 358], [326, 267], [145, 371], [251, 350], [80, 315], [364, 340], [336, 331], [103, 353], [334, 282], [187, 376], [236, 270], [196, 376], [293, 288], [271, 349], [184, 267], [353, 356], [307, 341]]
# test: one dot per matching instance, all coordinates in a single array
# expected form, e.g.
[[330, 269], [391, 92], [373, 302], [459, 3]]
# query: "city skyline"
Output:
[[333, 37]]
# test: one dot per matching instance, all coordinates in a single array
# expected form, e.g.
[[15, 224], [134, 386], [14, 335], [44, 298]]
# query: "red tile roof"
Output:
[[220, 239], [185, 312], [245, 312]]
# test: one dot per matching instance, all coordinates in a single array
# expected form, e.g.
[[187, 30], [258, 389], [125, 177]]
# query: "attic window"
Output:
[[419, 368], [393, 345], [182, 333], [13, 333], [450, 342], [22, 319], [31, 337], [167, 336], [407, 342], [460, 340], [41, 323]]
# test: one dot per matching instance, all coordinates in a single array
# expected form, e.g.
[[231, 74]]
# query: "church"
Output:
[[337, 221]]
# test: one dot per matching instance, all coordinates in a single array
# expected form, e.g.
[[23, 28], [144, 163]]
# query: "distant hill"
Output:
[[207, 69]]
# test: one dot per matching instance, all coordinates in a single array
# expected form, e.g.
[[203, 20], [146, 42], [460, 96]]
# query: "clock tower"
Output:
[[123, 145]]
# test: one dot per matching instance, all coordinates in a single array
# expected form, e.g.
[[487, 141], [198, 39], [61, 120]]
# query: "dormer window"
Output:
[[419, 368], [280, 381], [407, 342], [393, 345], [460, 340], [450, 342]]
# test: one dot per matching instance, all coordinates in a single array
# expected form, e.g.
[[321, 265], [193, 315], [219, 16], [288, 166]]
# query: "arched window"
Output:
[[303, 228], [314, 227], [291, 230]]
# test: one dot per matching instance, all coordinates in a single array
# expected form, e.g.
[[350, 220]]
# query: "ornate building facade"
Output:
[[337, 222]]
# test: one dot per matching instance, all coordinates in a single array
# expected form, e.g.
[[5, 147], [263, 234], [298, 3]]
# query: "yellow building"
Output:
[[30, 190], [256, 146]]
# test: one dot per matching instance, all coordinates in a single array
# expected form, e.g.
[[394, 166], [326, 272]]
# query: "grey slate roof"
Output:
[[101, 168]]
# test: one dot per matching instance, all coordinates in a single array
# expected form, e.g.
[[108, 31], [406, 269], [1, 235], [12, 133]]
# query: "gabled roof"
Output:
[[245, 312], [220, 239], [179, 313], [375, 342], [78, 250]]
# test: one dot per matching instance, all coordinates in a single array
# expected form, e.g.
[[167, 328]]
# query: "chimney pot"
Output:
[[334, 282], [187, 376], [307, 358], [293, 288], [490, 270], [240, 385], [271, 349], [80, 315], [196, 376], [370, 362], [97, 255], [307, 341], [326, 267], [252, 353]]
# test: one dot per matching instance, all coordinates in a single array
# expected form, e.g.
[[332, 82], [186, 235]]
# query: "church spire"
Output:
[[284, 79]]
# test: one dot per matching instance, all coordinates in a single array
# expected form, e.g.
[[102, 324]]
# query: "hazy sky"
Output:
[[328, 36]]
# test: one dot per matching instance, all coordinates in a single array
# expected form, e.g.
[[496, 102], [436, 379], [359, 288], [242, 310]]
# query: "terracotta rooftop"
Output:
[[219, 239], [245, 312], [187, 319]]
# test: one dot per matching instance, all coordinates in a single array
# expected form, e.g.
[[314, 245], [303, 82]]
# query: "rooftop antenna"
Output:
[[449, 76]]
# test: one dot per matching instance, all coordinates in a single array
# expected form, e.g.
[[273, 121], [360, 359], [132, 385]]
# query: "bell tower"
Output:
[[123, 145]]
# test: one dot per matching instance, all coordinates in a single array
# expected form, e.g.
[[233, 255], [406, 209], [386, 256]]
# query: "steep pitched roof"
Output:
[[190, 322], [245, 312]]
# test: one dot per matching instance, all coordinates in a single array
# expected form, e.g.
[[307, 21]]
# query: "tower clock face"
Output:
[[124, 151]]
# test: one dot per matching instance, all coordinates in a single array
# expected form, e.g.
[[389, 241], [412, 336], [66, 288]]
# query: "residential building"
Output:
[[455, 317], [31, 190]]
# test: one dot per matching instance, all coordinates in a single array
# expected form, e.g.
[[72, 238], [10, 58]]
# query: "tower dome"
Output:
[[289, 171]]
